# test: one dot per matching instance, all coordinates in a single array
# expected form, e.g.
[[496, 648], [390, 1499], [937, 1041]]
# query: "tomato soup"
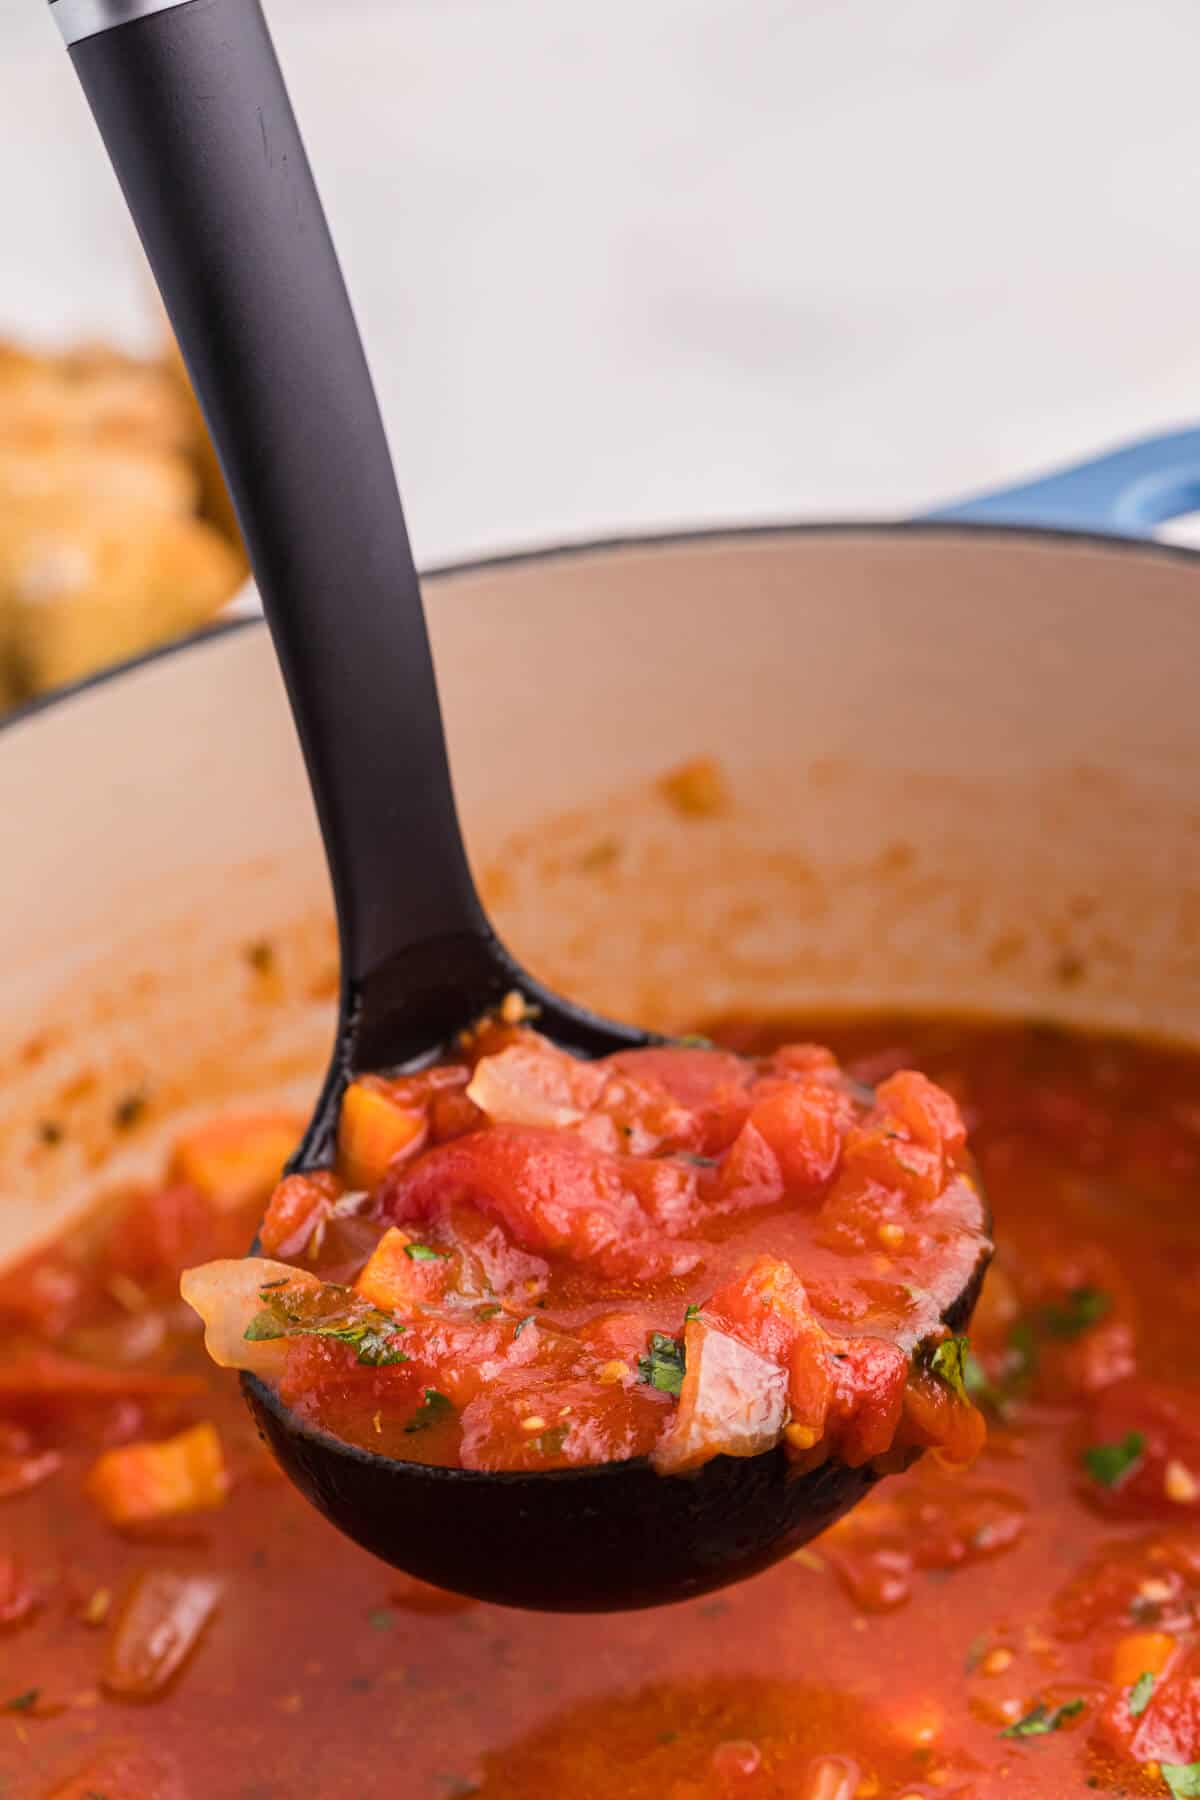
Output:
[[175, 1621], [527, 1261]]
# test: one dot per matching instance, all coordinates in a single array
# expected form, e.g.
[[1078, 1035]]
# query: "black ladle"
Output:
[[195, 115]]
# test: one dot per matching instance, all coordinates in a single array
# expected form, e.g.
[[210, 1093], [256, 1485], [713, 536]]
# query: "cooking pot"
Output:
[[957, 766]]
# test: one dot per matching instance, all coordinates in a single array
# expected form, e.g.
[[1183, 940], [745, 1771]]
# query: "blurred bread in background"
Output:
[[116, 533]]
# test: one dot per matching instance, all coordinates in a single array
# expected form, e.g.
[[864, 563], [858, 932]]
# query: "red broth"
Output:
[[1029, 1628]]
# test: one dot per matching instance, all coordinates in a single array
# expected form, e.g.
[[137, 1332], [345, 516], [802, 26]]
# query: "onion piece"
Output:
[[733, 1402], [228, 1295], [156, 1630], [524, 1086]]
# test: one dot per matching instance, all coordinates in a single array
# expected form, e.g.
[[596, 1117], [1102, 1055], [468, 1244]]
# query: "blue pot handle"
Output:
[[1124, 494]]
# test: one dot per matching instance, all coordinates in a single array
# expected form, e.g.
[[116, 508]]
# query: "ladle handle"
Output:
[[192, 106]]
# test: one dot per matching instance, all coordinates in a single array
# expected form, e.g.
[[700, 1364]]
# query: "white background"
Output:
[[660, 261]]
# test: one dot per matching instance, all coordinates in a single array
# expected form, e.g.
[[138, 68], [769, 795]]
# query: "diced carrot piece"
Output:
[[374, 1129], [388, 1279], [236, 1160], [1141, 1653], [297, 1208], [142, 1482]]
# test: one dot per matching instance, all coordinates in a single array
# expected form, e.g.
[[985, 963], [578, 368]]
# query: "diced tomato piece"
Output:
[[299, 1207], [750, 1173], [938, 1419], [800, 1122], [733, 1402], [927, 1112], [376, 1128], [553, 1193], [878, 1155], [139, 1483], [235, 1160], [869, 1377], [713, 1085]]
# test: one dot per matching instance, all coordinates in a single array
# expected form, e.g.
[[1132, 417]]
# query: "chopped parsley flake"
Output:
[[693, 1312], [947, 1361], [1041, 1720], [382, 1619], [1139, 1694], [23, 1702], [664, 1367], [300, 1313], [433, 1410], [425, 1253], [1109, 1464], [1083, 1307], [693, 1041], [529, 1319]]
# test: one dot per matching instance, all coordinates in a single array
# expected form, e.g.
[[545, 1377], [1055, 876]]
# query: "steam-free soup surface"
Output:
[[175, 1621]]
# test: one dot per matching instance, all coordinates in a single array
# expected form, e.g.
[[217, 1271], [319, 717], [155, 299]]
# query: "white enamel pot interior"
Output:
[[962, 769]]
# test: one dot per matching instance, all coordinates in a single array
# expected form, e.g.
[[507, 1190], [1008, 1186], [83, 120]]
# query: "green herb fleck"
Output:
[[696, 1162], [1139, 1694], [1041, 1720], [946, 1361], [664, 1367], [332, 1312], [488, 1312], [693, 1312], [693, 1041], [1183, 1779], [1109, 1464], [433, 1410], [551, 1442], [23, 1702], [1083, 1307], [529, 1319], [424, 1253], [382, 1619]]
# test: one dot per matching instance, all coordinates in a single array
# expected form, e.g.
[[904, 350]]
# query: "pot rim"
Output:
[[699, 535]]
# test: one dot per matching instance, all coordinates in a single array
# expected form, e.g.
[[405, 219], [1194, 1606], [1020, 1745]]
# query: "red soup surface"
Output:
[[175, 1621]]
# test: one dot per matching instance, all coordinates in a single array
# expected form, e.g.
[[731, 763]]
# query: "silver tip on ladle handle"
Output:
[[79, 19]]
